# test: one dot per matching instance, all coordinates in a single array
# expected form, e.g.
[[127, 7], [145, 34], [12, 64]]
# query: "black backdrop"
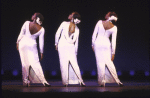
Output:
[[132, 39]]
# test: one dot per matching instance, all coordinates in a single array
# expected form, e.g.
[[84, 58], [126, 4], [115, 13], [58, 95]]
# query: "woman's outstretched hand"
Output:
[[93, 48], [41, 56], [56, 47], [113, 56]]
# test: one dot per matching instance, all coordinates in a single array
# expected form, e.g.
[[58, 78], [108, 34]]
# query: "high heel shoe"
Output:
[[103, 83], [26, 84], [82, 84], [65, 85], [121, 84], [47, 85]]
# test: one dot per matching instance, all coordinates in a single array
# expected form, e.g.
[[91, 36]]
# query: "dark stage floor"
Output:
[[14, 88]]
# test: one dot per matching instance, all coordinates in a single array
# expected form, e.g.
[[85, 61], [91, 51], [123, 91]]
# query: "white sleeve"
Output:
[[41, 41], [113, 42], [76, 42], [95, 33], [57, 35], [22, 32]]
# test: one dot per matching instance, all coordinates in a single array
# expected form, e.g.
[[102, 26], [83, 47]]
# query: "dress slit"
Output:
[[72, 75], [108, 75], [33, 77]]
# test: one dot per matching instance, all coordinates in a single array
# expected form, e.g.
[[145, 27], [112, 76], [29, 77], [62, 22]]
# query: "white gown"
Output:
[[103, 49], [67, 49], [31, 67]]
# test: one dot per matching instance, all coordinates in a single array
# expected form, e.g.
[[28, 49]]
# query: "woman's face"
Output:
[[70, 16], [33, 17]]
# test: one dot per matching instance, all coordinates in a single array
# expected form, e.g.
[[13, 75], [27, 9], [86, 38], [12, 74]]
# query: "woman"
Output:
[[67, 46], [105, 50], [27, 46]]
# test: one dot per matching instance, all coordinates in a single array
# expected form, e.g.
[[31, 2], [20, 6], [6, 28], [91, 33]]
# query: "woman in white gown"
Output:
[[105, 50], [66, 42], [27, 46]]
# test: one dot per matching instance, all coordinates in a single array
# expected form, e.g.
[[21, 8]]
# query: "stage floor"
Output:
[[135, 88]]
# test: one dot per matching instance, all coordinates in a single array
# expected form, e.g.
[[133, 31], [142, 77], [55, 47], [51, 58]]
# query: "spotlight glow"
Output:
[[132, 72], [93, 73], [146, 73], [15, 72], [119, 73], [53, 73]]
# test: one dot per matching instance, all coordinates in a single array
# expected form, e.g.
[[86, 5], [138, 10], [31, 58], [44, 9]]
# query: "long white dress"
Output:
[[67, 49], [103, 49], [31, 67]]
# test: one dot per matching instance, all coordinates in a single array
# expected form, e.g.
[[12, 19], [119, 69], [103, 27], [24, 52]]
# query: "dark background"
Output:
[[132, 52]]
